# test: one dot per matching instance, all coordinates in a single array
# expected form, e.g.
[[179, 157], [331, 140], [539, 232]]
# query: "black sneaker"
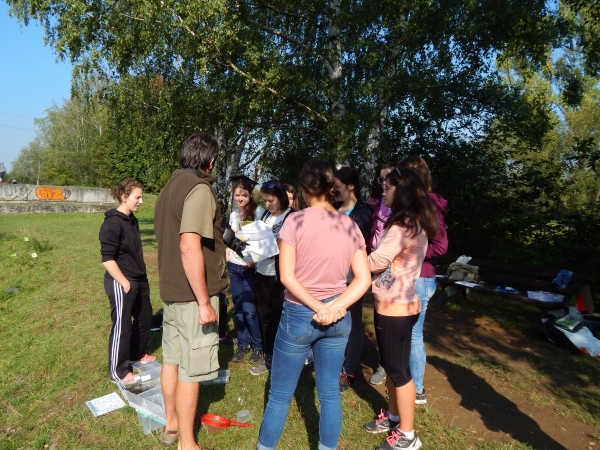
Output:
[[346, 381], [256, 357], [240, 354], [381, 425], [397, 440], [421, 398]]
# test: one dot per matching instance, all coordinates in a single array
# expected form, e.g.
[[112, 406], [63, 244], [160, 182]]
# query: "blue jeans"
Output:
[[425, 289], [244, 303], [296, 336]]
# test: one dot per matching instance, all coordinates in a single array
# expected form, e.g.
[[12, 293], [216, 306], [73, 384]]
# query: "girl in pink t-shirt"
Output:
[[318, 246], [396, 264]]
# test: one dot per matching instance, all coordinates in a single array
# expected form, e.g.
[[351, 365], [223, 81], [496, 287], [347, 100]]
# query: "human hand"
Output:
[[328, 315], [206, 314], [126, 287], [251, 264]]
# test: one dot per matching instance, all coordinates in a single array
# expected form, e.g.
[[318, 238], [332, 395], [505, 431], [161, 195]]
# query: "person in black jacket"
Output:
[[125, 282], [350, 202]]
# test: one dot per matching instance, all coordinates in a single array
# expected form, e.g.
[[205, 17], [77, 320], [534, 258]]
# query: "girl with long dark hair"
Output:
[[316, 300], [426, 284], [396, 263], [349, 201]]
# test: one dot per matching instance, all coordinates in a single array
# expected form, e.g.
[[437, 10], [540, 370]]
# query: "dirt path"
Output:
[[491, 404], [482, 379]]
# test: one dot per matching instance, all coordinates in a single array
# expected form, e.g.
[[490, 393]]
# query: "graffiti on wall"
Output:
[[51, 208], [17, 192], [52, 193]]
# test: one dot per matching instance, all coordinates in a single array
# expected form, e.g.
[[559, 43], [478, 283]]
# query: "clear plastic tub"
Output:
[[222, 378], [141, 367], [143, 381]]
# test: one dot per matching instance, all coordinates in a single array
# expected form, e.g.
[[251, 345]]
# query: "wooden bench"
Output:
[[496, 273]]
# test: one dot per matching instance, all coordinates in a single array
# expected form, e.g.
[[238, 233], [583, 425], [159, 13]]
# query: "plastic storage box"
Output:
[[222, 378]]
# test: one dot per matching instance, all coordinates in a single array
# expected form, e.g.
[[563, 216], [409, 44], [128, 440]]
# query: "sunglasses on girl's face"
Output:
[[381, 180]]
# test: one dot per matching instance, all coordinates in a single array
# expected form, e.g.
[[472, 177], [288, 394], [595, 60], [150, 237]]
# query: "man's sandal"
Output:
[[169, 437]]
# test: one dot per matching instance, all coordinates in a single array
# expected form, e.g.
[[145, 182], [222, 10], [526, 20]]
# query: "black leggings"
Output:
[[394, 336]]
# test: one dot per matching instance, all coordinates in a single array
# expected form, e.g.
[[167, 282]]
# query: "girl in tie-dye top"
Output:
[[396, 265]]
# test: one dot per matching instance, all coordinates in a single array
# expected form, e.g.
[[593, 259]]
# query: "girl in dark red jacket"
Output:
[[125, 282]]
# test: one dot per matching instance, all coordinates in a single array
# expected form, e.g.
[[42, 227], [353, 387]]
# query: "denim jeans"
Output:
[[425, 290], [244, 303], [296, 336], [356, 341]]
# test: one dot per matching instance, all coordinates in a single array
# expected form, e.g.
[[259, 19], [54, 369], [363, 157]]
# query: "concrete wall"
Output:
[[52, 207], [29, 198]]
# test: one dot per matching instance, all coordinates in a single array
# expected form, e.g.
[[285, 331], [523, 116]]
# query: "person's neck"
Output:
[[348, 204], [277, 213], [320, 203], [123, 209]]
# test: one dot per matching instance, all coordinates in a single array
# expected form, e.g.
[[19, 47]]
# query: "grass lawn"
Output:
[[53, 355]]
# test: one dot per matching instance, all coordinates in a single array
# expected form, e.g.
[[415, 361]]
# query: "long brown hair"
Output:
[[411, 206], [419, 165], [245, 184]]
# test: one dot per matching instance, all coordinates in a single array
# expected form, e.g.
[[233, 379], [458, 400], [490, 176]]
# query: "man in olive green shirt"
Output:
[[191, 264]]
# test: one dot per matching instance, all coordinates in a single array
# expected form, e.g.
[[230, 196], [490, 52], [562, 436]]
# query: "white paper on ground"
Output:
[[261, 243], [464, 259], [105, 404], [584, 340]]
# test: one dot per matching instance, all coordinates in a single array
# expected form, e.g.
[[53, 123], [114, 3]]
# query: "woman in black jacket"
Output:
[[125, 282], [350, 202]]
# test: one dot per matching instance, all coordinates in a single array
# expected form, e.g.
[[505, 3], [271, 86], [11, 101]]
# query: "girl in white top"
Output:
[[268, 289], [241, 275]]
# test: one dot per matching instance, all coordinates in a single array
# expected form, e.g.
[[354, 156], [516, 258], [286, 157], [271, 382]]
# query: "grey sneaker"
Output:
[[378, 377], [240, 354], [260, 369], [381, 424], [421, 398], [397, 440], [256, 357]]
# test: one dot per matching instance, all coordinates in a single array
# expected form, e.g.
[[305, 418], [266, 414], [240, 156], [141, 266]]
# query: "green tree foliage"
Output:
[[69, 147]]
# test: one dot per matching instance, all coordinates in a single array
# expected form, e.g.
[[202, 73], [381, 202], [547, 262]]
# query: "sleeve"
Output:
[[288, 232], [364, 219], [390, 246], [198, 213], [258, 214], [358, 237], [438, 246], [110, 240]]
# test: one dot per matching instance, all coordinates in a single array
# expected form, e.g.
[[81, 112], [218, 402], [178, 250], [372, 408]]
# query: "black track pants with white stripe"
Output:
[[128, 338]]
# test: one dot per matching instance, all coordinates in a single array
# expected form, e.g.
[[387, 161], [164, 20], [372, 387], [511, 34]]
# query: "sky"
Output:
[[31, 81]]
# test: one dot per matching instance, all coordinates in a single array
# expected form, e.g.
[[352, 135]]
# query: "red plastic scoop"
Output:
[[218, 423]]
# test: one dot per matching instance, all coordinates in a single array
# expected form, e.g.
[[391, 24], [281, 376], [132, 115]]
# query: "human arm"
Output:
[[193, 266], [363, 217], [110, 244], [389, 247], [114, 271], [438, 246]]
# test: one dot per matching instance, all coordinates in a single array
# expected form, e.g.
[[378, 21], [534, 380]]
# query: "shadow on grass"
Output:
[[497, 412], [571, 377]]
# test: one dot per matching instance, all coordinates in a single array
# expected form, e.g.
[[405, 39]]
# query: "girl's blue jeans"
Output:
[[425, 289], [296, 336]]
